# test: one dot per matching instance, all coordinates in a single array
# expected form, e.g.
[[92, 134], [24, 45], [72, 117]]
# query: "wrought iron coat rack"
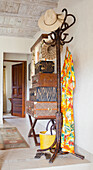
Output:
[[58, 38]]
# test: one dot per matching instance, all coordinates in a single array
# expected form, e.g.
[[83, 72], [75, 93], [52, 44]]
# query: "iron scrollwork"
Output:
[[62, 35]]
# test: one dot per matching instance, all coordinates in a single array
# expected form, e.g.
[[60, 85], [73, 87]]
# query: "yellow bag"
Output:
[[46, 140]]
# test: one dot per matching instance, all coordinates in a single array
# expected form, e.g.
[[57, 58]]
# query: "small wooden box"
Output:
[[44, 67]]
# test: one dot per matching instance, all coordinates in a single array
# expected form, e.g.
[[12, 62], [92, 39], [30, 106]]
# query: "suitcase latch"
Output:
[[42, 68], [50, 109]]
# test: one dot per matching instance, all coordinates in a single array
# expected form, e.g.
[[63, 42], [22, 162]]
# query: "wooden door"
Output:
[[18, 90]]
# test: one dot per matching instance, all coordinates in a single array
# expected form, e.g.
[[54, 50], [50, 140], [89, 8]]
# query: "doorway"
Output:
[[15, 102]]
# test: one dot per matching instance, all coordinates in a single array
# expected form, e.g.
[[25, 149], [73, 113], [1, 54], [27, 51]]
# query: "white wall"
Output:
[[29, 82], [8, 85], [15, 45], [15, 56], [82, 50], [1, 87]]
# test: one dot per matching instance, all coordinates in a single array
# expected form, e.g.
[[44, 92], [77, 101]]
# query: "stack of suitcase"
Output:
[[43, 94]]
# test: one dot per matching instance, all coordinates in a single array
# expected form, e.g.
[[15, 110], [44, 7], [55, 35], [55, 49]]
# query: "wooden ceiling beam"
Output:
[[20, 17]]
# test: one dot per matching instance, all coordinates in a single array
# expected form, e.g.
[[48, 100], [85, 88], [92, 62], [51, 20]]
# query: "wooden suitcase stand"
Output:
[[40, 111]]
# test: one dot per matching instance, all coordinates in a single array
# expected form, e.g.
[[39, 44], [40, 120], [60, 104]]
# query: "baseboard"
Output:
[[88, 155], [1, 122], [67, 167]]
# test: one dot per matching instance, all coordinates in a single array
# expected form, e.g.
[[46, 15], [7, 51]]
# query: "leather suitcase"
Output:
[[43, 94], [41, 109], [44, 67], [44, 80]]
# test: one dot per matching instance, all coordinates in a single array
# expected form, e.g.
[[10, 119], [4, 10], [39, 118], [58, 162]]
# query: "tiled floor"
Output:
[[16, 159]]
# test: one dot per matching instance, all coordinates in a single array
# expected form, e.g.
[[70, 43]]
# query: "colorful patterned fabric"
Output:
[[68, 85]]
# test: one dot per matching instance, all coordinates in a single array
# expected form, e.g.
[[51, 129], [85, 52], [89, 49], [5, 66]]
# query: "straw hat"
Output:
[[48, 51], [50, 21]]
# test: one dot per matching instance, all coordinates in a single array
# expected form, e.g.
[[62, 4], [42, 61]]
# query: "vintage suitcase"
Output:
[[41, 109], [44, 67], [43, 94], [44, 80]]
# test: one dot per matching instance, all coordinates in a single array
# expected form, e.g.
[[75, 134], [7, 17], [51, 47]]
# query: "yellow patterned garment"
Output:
[[68, 85]]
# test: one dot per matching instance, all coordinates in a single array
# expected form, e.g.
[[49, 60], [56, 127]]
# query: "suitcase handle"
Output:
[[53, 126]]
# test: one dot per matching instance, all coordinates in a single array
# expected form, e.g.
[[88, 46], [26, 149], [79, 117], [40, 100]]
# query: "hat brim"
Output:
[[49, 28]]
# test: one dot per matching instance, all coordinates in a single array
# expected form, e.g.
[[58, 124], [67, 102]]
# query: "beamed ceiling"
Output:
[[19, 18]]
